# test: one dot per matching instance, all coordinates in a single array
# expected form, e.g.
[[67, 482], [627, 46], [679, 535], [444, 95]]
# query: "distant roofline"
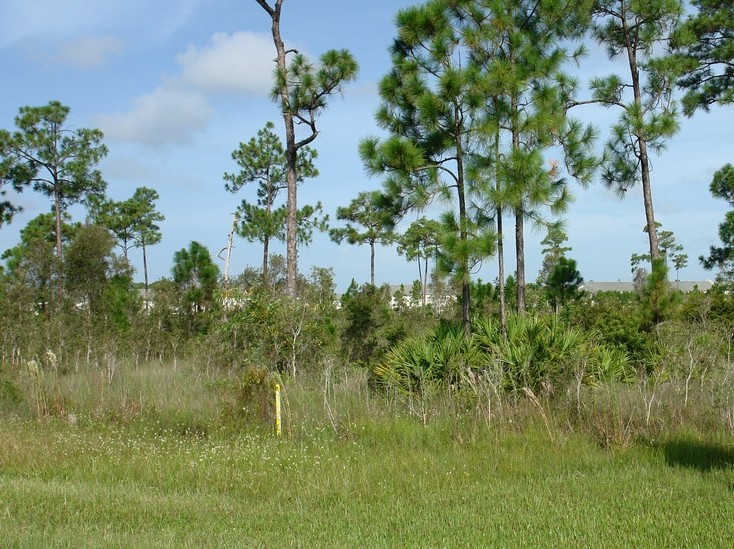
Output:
[[620, 286], [593, 286]]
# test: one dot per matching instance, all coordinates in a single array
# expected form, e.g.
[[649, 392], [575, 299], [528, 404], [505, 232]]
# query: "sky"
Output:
[[176, 85]]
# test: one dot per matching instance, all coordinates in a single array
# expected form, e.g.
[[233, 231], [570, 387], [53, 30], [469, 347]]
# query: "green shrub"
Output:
[[255, 394], [616, 320], [436, 359], [10, 393], [536, 352], [369, 326], [265, 328]]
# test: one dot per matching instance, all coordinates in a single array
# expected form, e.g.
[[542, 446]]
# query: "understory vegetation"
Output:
[[599, 367], [154, 426]]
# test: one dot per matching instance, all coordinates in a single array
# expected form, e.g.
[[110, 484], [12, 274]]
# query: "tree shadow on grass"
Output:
[[698, 455]]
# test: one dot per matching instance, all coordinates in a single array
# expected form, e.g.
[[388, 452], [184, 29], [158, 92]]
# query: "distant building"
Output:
[[685, 286], [402, 297]]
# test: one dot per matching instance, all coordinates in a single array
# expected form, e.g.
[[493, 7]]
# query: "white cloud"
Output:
[[174, 112], [88, 52], [238, 63], [167, 115]]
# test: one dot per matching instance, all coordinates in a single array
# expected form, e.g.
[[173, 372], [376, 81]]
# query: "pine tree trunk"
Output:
[[292, 221], [291, 150], [424, 288], [372, 262], [520, 249], [643, 156], [500, 242], [59, 248], [519, 213], [519, 228], [266, 243], [463, 236], [647, 198], [501, 273], [145, 270]]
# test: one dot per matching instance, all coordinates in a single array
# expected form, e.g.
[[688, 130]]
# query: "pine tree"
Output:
[[427, 103], [366, 223], [722, 257], [54, 159], [519, 49], [302, 90], [420, 242], [263, 160], [636, 31], [705, 44]]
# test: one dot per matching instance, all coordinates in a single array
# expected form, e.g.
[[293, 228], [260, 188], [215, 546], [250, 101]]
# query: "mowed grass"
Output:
[[390, 483]]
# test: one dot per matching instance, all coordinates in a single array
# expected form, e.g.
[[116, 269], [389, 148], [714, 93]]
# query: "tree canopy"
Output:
[[196, 274], [366, 223], [705, 44], [56, 160], [636, 32], [263, 160], [722, 257]]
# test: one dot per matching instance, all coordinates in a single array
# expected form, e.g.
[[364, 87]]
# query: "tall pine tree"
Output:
[[301, 90]]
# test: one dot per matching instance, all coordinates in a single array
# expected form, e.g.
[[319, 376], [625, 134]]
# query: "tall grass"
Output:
[[122, 393], [676, 398], [126, 454], [395, 483]]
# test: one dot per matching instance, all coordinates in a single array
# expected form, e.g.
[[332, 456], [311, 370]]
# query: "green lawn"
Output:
[[397, 485]]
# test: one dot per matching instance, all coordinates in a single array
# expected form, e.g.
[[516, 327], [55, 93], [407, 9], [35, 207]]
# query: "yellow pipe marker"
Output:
[[277, 410]]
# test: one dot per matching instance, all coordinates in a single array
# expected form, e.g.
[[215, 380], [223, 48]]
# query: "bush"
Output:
[[369, 326], [264, 328], [10, 394], [537, 353], [616, 320]]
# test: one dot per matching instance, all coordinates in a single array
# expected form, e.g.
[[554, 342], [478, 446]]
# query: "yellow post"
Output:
[[277, 410]]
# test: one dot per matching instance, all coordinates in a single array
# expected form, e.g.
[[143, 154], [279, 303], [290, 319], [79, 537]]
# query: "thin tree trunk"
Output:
[[372, 262], [145, 271], [647, 198], [500, 241], [266, 240], [53, 166], [463, 236], [266, 244], [519, 229], [501, 269], [291, 149], [59, 248], [230, 243], [520, 252], [420, 277], [519, 213], [425, 281], [643, 154]]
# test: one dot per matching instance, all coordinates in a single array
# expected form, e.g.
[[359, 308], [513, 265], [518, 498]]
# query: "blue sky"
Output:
[[176, 85]]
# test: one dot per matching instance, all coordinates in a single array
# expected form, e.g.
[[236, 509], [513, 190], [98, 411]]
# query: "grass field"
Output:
[[393, 483]]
